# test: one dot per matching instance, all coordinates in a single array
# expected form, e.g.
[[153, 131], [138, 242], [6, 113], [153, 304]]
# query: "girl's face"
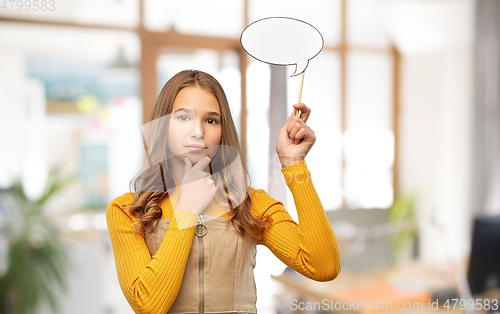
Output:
[[195, 120]]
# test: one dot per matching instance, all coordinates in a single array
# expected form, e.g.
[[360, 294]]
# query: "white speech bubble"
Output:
[[282, 41]]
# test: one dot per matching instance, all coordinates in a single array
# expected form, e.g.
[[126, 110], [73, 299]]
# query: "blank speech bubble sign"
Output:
[[282, 41]]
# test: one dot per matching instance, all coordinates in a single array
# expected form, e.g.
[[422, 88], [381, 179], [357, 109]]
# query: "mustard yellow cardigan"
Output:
[[151, 284]]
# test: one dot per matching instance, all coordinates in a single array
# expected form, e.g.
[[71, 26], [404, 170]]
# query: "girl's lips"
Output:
[[196, 149]]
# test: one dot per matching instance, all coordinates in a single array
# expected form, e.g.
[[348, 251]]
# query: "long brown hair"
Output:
[[149, 190]]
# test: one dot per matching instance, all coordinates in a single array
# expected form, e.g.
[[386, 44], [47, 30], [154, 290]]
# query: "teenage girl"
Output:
[[184, 239]]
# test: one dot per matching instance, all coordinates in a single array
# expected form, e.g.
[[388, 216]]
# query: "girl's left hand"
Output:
[[295, 138]]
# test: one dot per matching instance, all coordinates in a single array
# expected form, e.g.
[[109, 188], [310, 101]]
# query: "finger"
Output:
[[299, 136], [294, 123], [295, 130], [187, 165], [303, 133], [285, 127], [202, 163], [305, 111]]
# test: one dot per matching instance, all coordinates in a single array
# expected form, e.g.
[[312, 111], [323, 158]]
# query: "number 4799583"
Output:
[[28, 5], [470, 304]]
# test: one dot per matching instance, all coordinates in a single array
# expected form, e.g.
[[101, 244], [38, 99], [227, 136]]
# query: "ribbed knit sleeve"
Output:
[[310, 247], [150, 285]]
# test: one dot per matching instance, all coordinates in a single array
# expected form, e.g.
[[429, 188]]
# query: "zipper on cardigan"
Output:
[[200, 237], [200, 229]]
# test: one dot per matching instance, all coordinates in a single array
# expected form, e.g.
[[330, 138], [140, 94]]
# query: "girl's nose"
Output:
[[197, 131]]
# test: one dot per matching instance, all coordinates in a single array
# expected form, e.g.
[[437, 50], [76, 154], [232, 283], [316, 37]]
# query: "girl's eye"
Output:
[[186, 118]]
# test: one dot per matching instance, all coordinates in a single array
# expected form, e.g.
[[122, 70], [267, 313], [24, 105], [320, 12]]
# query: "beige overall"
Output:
[[219, 270]]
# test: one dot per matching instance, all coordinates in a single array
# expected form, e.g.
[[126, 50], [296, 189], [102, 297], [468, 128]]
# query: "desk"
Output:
[[411, 282]]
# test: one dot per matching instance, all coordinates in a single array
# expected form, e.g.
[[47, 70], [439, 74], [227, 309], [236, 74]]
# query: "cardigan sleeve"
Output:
[[150, 284], [310, 247]]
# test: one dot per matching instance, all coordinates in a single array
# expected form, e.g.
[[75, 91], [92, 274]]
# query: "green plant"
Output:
[[402, 209], [36, 259]]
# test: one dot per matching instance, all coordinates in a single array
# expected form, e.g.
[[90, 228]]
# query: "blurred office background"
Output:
[[404, 99]]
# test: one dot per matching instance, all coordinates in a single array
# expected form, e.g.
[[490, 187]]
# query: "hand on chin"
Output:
[[195, 159]]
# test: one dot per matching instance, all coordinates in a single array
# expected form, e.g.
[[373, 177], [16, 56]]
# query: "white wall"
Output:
[[436, 118], [436, 141]]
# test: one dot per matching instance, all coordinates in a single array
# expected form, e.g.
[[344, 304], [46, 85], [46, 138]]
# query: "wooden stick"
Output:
[[300, 91]]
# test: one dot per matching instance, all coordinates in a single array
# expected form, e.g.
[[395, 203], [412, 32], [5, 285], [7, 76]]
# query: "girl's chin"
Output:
[[194, 159]]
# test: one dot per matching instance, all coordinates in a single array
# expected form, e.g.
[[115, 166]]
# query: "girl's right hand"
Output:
[[197, 188]]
